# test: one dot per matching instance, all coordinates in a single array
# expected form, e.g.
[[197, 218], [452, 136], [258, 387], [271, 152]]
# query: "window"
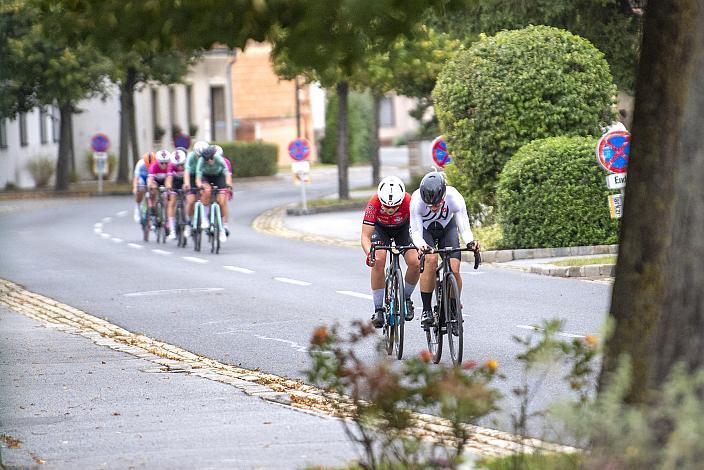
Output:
[[42, 126], [23, 129], [55, 122], [3, 133], [386, 112], [158, 131]]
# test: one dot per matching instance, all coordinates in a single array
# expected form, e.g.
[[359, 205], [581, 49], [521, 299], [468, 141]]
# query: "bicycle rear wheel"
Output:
[[433, 334], [453, 309], [400, 313], [180, 239], [160, 231], [197, 234]]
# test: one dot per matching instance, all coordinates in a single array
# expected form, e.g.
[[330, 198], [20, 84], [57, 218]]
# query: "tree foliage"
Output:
[[552, 193], [512, 88], [359, 127], [613, 28]]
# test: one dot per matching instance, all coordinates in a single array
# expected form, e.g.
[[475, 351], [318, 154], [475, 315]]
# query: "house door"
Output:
[[217, 113]]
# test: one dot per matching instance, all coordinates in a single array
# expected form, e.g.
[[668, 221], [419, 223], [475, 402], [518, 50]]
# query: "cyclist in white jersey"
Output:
[[438, 215]]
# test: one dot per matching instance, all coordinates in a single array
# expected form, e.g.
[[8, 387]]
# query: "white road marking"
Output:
[[238, 269], [98, 225], [98, 230], [107, 219], [355, 294], [105, 235], [134, 245], [292, 281], [121, 213], [116, 240], [561, 333], [194, 259], [161, 252], [292, 344], [174, 291], [472, 273]]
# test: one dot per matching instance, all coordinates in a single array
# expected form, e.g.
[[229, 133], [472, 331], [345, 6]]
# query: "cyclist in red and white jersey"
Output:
[[438, 215], [387, 217]]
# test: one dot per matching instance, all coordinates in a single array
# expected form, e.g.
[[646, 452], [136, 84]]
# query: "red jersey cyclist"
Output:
[[385, 218]]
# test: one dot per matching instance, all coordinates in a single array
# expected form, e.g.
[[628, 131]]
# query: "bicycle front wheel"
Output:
[[453, 310], [389, 328], [399, 312], [434, 333]]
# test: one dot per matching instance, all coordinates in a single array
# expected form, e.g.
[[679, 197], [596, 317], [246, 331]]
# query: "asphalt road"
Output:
[[256, 303]]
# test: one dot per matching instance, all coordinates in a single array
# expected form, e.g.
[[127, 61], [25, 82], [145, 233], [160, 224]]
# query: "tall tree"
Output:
[[658, 301], [40, 68]]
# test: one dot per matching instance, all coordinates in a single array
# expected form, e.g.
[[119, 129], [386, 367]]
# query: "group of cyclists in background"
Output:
[[183, 174]]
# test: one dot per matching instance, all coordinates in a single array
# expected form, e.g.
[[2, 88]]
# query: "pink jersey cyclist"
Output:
[[158, 172]]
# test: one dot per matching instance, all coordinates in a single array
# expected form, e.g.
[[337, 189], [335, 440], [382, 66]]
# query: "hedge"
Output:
[[250, 158], [359, 108], [552, 193], [515, 87]]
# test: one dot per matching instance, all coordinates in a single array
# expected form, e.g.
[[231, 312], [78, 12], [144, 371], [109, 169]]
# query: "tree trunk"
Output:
[[658, 299], [71, 149], [133, 136], [374, 140], [62, 162], [342, 147], [123, 173]]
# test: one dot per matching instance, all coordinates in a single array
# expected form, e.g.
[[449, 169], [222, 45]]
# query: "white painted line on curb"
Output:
[[117, 240], [292, 281], [194, 259], [121, 213], [237, 269], [134, 245], [107, 219], [354, 294], [561, 333], [161, 252], [173, 291], [105, 235]]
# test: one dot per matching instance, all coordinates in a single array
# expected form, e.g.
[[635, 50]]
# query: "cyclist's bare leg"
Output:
[[190, 204], [222, 201], [427, 278], [455, 266], [171, 211], [377, 276], [413, 264]]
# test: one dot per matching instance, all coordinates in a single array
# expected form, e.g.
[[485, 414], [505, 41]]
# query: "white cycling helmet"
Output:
[[391, 191], [163, 156], [199, 146], [178, 157], [218, 151]]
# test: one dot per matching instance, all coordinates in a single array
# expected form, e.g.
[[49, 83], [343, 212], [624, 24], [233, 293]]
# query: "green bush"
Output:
[[41, 169], [515, 87], [552, 193], [112, 165], [250, 158], [359, 108]]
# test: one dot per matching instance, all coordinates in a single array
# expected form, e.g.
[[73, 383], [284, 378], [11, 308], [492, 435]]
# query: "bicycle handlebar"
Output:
[[477, 255], [401, 249]]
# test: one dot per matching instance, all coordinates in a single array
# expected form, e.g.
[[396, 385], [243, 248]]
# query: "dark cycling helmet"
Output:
[[432, 188], [208, 153]]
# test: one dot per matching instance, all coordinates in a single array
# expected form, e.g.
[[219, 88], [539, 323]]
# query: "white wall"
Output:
[[97, 116], [14, 158]]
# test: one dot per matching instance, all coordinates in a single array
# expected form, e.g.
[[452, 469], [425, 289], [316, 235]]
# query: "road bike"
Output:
[[144, 219], [216, 225], [158, 216], [447, 311], [180, 219], [196, 223], [394, 298]]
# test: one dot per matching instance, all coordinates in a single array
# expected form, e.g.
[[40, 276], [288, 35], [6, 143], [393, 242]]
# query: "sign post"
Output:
[[612, 151], [299, 150], [439, 152], [100, 144]]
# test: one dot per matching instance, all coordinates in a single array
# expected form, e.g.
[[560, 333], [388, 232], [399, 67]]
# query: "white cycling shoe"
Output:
[[187, 231], [205, 225], [222, 236], [135, 215], [172, 234]]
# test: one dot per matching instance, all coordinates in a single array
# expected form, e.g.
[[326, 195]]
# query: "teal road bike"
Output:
[[215, 225]]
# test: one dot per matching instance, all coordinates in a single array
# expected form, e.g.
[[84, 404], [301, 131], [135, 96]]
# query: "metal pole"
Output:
[[298, 111], [100, 183], [301, 176]]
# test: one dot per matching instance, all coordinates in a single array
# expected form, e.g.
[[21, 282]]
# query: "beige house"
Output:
[[264, 106]]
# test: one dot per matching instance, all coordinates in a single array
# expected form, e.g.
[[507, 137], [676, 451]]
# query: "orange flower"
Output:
[[320, 336], [425, 356], [591, 340], [491, 365], [467, 365]]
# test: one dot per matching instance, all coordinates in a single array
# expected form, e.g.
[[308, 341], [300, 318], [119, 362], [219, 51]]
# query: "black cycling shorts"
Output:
[[216, 180], [176, 183], [383, 234], [446, 237]]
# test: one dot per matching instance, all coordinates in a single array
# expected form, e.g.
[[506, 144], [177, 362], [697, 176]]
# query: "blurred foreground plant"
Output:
[[380, 401]]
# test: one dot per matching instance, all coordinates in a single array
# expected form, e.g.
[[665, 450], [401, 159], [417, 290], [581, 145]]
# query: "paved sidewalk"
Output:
[[74, 404]]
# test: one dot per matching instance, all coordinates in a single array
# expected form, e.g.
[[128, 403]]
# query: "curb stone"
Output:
[[271, 222], [502, 256], [276, 389]]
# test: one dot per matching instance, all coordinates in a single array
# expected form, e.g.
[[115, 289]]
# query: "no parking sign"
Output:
[[299, 149], [438, 148], [612, 151]]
